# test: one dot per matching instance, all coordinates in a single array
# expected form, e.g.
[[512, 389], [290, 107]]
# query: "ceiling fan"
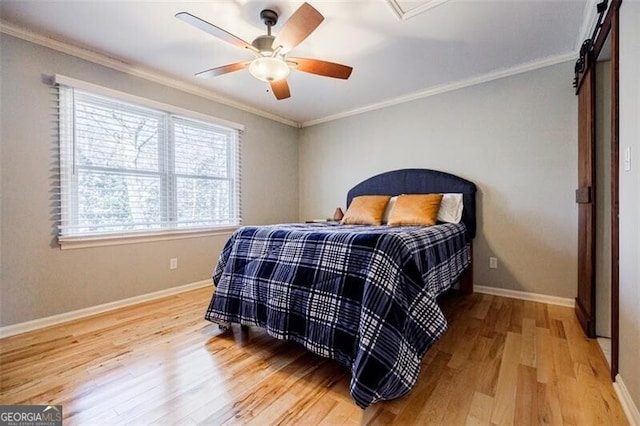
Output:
[[271, 63]]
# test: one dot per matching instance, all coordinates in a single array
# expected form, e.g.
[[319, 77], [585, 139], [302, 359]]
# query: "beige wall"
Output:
[[37, 278], [630, 198], [514, 137]]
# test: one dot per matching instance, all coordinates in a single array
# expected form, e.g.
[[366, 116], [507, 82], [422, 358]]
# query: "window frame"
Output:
[[67, 161]]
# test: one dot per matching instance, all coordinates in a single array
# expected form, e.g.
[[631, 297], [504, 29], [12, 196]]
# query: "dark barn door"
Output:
[[585, 301]]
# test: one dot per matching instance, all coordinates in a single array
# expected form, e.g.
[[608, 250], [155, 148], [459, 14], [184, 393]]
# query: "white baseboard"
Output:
[[23, 327], [12, 330], [628, 406], [523, 295]]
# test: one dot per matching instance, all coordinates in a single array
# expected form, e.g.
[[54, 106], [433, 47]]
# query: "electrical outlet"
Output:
[[173, 263], [493, 262], [627, 159]]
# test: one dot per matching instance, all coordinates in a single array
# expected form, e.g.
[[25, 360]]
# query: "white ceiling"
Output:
[[399, 49]]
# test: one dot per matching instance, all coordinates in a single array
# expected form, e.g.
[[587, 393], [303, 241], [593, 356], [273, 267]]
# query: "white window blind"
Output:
[[127, 169]]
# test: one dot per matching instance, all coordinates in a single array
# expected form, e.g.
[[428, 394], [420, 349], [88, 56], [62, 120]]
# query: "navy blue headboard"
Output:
[[421, 181]]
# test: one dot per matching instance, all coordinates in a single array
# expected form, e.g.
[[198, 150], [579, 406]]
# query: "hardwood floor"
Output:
[[502, 361]]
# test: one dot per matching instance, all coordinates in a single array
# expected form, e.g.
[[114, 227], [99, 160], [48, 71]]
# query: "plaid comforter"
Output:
[[364, 296]]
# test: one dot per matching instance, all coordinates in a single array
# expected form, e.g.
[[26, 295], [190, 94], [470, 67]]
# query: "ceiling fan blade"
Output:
[[213, 72], [213, 30], [280, 89], [324, 68], [298, 27]]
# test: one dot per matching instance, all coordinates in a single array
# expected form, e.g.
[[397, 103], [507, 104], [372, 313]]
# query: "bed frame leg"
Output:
[[466, 281]]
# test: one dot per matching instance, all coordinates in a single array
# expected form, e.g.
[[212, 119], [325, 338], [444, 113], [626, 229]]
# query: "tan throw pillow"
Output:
[[415, 209], [366, 210]]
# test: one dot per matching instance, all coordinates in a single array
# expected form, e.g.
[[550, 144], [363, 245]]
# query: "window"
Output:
[[127, 168]]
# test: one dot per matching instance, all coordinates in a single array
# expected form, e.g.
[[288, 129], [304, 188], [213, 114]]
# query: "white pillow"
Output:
[[387, 211], [450, 208]]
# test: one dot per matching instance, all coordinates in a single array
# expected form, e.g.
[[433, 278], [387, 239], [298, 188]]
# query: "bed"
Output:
[[365, 296]]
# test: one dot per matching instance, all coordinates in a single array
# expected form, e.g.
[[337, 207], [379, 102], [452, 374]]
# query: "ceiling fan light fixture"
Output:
[[269, 69]]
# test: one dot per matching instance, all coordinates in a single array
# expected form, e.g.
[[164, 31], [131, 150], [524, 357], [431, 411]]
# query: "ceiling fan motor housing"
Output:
[[264, 44]]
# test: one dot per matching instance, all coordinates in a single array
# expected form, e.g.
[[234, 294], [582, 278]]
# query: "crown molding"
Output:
[[588, 19], [137, 71], [172, 82], [496, 75]]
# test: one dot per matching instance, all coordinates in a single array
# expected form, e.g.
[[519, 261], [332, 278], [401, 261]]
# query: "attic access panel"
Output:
[[408, 9]]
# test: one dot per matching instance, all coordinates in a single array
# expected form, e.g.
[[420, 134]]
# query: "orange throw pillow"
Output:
[[366, 210], [415, 209]]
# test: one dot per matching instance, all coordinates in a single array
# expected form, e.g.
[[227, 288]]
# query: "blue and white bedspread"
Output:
[[364, 296]]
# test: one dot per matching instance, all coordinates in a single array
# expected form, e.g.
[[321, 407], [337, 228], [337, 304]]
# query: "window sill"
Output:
[[67, 243]]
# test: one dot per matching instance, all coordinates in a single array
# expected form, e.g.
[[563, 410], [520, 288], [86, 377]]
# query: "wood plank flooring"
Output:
[[502, 362]]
